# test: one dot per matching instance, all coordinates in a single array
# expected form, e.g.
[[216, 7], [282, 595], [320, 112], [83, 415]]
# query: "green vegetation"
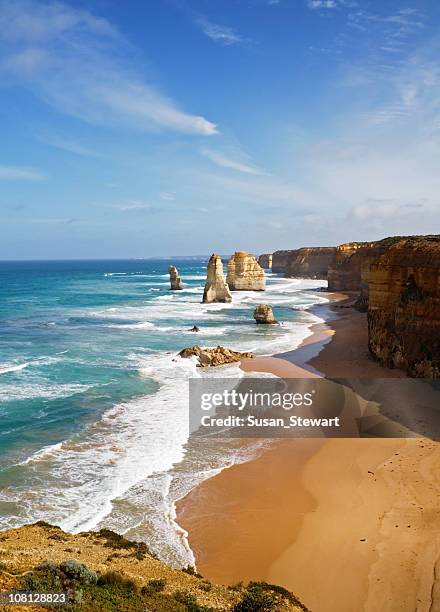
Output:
[[108, 592], [264, 597], [154, 586]]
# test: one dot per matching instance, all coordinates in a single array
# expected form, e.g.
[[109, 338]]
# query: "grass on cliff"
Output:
[[114, 592]]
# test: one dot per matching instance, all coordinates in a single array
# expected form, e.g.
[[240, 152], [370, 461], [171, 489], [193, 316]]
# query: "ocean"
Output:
[[93, 400]]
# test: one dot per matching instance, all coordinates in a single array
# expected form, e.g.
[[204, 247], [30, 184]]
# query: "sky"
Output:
[[181, 127]]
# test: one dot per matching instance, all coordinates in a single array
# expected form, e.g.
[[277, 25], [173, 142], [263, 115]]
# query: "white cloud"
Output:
[[20, 173], [218, 33], [73, 60], [133, 205], [322, 4], [233, 164], [166, 195]]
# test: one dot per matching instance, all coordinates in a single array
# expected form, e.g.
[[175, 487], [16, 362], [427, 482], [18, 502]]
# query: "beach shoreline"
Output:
[[367, 543]]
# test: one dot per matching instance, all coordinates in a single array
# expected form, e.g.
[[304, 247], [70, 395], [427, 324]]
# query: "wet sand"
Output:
[[345, 524]]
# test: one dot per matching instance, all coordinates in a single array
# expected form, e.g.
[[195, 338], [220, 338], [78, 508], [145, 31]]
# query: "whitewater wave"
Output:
[[5, 368]]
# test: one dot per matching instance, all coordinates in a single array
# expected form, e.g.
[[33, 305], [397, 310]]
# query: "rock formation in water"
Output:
[[404, 305], [213, 356], [309, 262], [281, 258], [265, 260], [263, 314], [216, 288], [245, 273], [175, 280]]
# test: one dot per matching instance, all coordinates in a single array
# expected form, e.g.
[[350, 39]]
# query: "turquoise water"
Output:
[[93, 400]]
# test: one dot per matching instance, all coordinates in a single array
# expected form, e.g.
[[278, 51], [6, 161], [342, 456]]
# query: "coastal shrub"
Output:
[[265, 597], [109, 592], [191, 570], [43, 524], [256, 599], [205, 586], [236, 587], [117, 541], [78, 572], [190, 602], [116, 579], [279, 590], [154, 586]]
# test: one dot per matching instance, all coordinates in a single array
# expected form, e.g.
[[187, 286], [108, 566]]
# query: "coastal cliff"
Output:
[[265, 260], [310, 262], [103, 571], [216, 288], [404, 306], [281, 258], [348, 269], [245, 273]]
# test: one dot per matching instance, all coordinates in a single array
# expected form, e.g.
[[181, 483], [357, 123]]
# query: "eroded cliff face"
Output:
[[310, 262], [216, 288], [281, 258], [245, 273], [265, 260], [348, 270], [404, 306]]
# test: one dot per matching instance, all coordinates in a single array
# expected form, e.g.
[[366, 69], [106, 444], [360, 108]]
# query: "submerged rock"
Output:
[[263, 314], [245, 273], [216, 356], [216, 289], [175, 280]]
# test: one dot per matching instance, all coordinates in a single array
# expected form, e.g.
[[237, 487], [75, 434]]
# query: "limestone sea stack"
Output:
[[245, 273], [216, 288], [216, 356], [175, 280], [265, 260], [263, 314], [404, 306]]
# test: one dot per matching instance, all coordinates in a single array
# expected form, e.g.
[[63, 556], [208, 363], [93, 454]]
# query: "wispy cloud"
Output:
[[322, 4], [133, 205], [67, 144], [227, 162], [166, 195], [218, 33], [80, 64], [21, 173]]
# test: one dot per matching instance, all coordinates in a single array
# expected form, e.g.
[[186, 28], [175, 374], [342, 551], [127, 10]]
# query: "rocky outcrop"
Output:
[[404, 306], [216, 288], [310, 262], [280, 260], [175, 280], [245, 273], [213, 356], [265, 260], [263, 314]]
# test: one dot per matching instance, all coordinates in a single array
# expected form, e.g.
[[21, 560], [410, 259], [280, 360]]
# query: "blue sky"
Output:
[[173, 127]]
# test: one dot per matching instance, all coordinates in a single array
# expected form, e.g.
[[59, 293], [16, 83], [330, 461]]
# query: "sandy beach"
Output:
[[346, 524]]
